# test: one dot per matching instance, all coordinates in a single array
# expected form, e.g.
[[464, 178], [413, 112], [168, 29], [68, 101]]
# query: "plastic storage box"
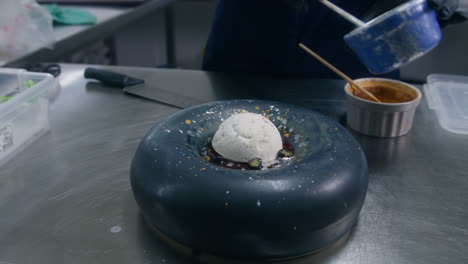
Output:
[[447, 95], [24, 109]]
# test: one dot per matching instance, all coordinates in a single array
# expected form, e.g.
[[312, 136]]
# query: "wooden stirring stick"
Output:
[[341, 74]]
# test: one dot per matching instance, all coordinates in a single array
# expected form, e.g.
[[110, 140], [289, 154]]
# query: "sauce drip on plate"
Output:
[[209, 154]]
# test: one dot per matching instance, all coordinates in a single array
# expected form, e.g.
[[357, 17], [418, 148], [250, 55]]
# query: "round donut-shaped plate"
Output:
[[297, 209]]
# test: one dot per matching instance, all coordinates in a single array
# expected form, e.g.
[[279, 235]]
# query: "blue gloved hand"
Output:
[[449, 11]]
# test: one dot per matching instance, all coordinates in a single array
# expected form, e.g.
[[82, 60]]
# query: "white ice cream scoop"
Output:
[[246, 136]]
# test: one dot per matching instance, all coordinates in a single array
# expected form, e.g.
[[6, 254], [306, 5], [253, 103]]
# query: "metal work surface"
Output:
[[67, 197], [71, 37]]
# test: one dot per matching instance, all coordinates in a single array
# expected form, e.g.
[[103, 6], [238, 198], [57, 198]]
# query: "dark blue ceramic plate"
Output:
[[294, 210]]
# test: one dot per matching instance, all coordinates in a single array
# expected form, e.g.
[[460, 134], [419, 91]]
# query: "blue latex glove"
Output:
[[70, 16], [449, 11]]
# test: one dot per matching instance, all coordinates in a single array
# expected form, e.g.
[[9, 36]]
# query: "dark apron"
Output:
[[261, 36]]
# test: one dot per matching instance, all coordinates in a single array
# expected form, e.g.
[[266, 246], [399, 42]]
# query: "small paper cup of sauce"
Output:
[[391, 118]]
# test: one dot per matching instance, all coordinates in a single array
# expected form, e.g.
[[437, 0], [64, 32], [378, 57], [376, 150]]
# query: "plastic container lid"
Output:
[[447, 95]]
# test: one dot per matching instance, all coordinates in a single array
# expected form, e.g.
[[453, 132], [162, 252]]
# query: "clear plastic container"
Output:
[[447, 95], [24, 109]]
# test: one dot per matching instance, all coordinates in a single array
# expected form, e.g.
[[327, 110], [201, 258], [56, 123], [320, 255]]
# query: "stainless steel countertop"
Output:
[[67, 198]]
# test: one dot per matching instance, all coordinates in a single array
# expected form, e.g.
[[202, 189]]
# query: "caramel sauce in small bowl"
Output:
[[390, 118], [389, 92]]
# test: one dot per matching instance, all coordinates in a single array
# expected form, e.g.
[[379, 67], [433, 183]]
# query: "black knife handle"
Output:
[[106, 77]]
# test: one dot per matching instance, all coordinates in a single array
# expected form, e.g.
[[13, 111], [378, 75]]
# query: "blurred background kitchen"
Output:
[[168, 33]]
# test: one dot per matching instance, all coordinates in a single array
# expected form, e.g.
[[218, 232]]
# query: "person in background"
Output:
[[262, 36]]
